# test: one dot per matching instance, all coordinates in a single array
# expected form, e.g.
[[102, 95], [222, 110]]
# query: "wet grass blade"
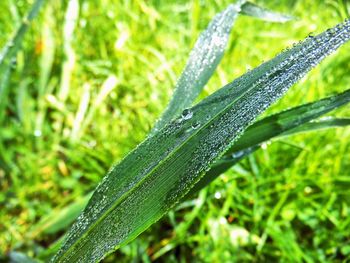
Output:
[[203, 60], [207, 54], [149, 181], [285, 123], [282, 122], [254, 10], [327, 123]]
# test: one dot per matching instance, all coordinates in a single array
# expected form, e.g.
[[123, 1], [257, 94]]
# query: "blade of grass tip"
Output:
[[155, 176], [107, 87], [197, 72], [229, 161], [81, 112], [203, 60], [277, 125], [327, 123], [70, 21], [251, 9]]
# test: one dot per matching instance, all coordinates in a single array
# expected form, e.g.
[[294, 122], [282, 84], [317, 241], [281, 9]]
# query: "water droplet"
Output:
[[238, 154], [264, 146], [196, 125], [187, 114], [37, 133], [217, 195]]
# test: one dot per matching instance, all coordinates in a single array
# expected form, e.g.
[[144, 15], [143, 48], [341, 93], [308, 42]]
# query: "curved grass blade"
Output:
[[207, 54], [327, 123], [203, 60], [254, 10], [149, 181], [225, 163], [281, 124]]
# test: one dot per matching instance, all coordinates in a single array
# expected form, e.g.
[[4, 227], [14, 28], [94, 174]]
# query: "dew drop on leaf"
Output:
[[187, 114]]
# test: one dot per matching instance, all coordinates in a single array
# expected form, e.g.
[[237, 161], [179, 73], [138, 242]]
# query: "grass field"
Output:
[[85, 91]]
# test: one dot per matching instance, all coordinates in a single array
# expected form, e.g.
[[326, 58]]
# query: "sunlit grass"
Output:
[[291, 197]]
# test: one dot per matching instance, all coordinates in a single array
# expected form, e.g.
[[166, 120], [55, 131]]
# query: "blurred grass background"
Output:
[[90, 81]]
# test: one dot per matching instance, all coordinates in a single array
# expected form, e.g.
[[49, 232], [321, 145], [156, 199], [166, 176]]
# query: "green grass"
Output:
[[291, 197]]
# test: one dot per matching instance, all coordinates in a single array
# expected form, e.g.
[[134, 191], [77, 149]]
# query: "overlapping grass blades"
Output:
[[203, 60], [285, 123], [161, 170], [207, 54]]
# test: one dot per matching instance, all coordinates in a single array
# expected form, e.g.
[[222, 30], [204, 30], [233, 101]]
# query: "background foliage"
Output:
[[287, 201]]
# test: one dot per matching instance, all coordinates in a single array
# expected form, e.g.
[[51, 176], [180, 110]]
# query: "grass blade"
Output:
[[207, 54], [254, 10], [319, 125], [228, 161], [203, 60], [285, 123], [61, 219], [71, 18], [277, 124], [160, 171]]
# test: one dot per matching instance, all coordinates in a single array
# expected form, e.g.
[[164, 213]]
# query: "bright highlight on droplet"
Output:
[[37, 133], [217, 195]]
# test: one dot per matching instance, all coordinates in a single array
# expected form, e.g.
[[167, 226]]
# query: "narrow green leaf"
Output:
[[203, 60], [59, 220], [229, 161], [277, 124], [207, 54], [149, 181], [284, 123], [254, 10], [326, 123]]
